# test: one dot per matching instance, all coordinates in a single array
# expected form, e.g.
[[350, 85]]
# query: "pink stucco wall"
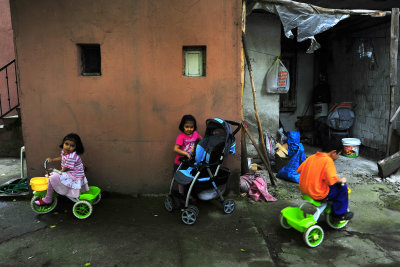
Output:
[[6, 55], [6, 34], [128, 117]]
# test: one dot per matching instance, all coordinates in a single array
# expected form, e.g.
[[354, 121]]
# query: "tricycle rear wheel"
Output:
[[82, 209], [335, 224], [284, 222]]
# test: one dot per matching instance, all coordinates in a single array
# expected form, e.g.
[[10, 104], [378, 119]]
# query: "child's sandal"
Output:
[[40, 202]]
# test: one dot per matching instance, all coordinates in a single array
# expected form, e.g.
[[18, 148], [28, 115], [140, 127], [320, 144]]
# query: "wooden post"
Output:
[[260, 131], [266, 163], [243, 163], [394, 47]]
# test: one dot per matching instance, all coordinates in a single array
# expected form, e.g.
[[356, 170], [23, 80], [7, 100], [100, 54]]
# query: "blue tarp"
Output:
[[296, 155]]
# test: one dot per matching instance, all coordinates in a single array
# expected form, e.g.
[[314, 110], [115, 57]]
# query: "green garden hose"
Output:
[[16, 187]]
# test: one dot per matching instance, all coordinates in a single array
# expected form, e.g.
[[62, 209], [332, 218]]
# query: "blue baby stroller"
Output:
[[203, 175]]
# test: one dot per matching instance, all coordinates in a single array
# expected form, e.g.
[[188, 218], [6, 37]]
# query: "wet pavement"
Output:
[[138, 231]]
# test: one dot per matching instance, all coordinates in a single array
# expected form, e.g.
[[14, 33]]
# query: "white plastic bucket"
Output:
[[320, 110], [351, 147]]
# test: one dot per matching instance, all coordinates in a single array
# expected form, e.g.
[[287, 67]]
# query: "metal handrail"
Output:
[[8, 64], [10, 109]]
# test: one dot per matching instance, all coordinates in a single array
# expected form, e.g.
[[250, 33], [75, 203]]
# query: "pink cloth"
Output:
[[259, 192], [246, 181], [186, 143]]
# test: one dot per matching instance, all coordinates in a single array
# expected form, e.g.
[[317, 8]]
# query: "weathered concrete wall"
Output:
[[356, 80], [128, 117], [263, 33]]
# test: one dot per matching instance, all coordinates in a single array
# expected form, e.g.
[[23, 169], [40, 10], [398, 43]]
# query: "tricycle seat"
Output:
[[311, 200], [90, 195]]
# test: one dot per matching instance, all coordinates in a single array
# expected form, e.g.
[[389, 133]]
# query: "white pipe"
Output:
[[22, 161]]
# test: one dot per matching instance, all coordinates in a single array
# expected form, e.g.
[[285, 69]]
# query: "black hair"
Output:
[[334, 145], [77, 140], [185, 119]]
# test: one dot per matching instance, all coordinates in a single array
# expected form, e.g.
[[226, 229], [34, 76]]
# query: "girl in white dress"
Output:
[[72, 180]]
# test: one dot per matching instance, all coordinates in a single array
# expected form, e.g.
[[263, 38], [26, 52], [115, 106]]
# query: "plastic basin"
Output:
[[39, 183], [351, 147]]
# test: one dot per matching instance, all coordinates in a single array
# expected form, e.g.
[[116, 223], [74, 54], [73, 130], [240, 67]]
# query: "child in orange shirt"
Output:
[[318, 180]]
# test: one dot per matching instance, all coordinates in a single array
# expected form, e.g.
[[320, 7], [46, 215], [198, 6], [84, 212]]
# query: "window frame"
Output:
[[202, 50]]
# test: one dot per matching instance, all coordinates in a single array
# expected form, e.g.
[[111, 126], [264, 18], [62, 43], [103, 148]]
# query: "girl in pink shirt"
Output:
[[185, 142], [72, 180]]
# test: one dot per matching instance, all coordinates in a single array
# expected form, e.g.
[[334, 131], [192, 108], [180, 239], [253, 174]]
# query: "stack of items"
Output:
[[281, 156]]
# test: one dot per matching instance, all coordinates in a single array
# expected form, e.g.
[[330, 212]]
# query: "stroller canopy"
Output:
[[221, 128]]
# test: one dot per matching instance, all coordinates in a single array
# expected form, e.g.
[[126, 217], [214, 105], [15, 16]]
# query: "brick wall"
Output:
[[366, 85]]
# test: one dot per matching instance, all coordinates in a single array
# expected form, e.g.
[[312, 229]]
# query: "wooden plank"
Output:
[[389, 165]]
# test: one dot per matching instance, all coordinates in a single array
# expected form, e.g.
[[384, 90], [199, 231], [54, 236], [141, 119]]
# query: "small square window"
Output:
[[194, 61], [90, 59]]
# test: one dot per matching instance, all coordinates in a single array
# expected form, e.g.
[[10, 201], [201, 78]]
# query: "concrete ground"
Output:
[[127, 231]]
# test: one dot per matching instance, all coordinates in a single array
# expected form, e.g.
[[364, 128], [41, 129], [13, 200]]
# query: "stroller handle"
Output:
[[237, 124]]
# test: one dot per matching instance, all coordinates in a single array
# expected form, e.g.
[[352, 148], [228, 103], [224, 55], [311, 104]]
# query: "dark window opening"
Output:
[[289, 47], [90, 59]]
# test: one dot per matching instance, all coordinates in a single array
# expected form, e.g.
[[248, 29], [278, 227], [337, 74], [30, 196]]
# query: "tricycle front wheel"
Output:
[[45, 208], [314, 236]]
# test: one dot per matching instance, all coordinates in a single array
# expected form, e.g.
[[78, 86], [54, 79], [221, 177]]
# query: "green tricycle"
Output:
[[306, 223], [83, 206]]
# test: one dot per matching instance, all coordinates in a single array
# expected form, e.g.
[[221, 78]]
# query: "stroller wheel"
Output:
[[189, 216], [45, 208], [229, 206], [196, 209], [82, 209], [313, 236], [169, 204]]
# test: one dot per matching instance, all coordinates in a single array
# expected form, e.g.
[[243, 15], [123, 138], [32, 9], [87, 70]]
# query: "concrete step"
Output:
[[9, 120], [10, 136]]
